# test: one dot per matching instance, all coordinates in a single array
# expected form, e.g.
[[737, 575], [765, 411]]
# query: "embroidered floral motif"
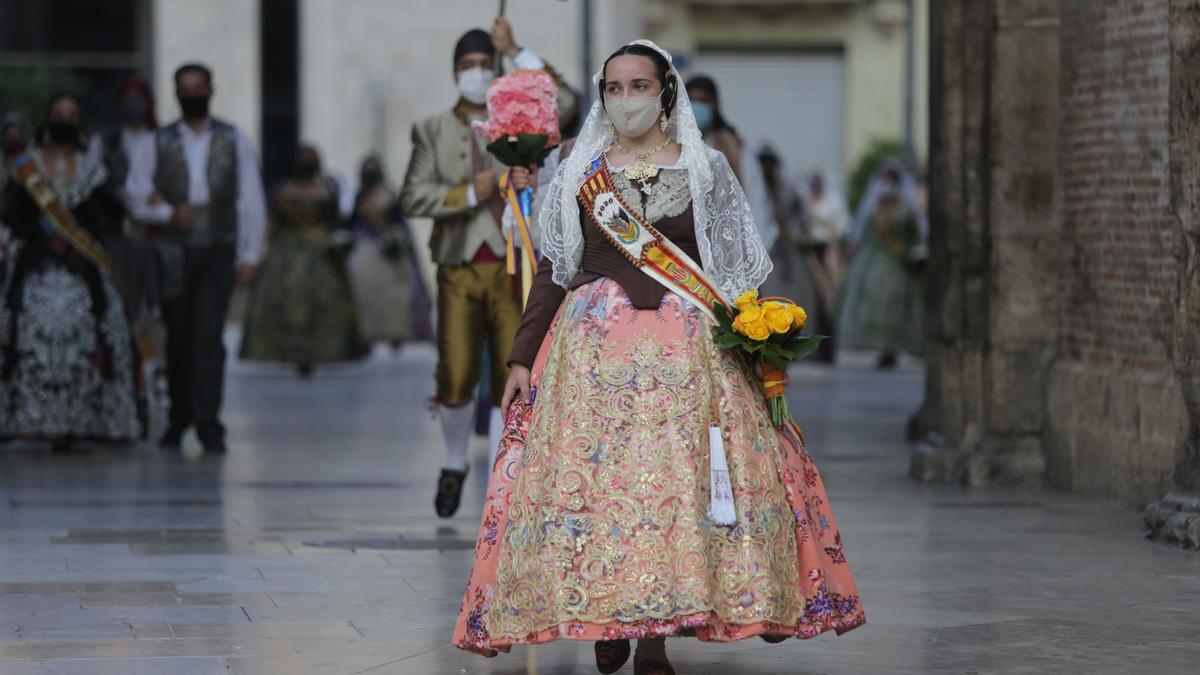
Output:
[[70, 377], [669, 196]]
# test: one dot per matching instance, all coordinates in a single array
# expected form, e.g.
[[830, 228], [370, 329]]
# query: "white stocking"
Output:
[[456, 430]]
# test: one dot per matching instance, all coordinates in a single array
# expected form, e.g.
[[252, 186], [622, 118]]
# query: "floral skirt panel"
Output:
[[67, 370], [301, 309], [595, 524]]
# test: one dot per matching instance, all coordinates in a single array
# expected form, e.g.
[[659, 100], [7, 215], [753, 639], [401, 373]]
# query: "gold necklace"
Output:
[[641, 170]]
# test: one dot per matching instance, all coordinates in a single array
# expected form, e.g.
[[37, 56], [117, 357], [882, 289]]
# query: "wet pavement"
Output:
[[313, 548]]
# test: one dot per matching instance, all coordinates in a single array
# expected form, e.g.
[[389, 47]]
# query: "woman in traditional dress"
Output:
[[393, 304], [596, 524], [301, 311], [798, 256], [882, 308], [68, 365]]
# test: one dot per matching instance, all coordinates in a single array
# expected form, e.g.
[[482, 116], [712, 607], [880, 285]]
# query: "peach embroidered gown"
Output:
[[595, 523]]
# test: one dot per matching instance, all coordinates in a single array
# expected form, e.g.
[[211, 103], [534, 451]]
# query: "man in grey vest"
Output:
[[207, 174]]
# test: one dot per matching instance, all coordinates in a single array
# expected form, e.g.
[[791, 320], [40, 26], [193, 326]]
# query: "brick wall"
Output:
[[1117, 421], [1118, 229], [1066, 352]]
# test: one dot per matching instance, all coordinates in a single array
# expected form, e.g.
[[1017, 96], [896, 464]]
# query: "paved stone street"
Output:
[[313, 548]]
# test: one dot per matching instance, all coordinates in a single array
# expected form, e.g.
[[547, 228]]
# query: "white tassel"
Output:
[[720, 502]]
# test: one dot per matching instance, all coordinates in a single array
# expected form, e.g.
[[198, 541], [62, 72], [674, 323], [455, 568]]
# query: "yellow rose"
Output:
[[757, 330], [778, 317], [750, 313], [799, 316], [746, 299]]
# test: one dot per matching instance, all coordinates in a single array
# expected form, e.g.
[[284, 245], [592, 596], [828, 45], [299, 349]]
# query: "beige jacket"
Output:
[[438, 179], [437, 183]]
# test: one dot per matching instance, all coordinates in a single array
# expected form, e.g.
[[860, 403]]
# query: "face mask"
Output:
[[194, 107], [473, 84], [371, 178], [63, 133], [14, 148], [307, 168], [704, 115], [633, 116], [133, 111]]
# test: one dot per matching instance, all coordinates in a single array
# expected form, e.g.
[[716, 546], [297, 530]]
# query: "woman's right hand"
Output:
[[523, 177], [518, 383]]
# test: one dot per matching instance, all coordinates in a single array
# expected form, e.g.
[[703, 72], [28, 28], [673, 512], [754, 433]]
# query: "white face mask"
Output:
[[473, 84], [633, 116]]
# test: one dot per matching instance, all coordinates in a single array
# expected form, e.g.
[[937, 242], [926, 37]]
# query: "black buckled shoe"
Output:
[[449, 492], [611, 655]]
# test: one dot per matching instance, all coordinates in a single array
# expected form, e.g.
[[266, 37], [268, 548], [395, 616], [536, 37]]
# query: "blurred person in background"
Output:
[[68, 364], [720, 134], [15, 135], [209, 233], [882, 306], [828, 217], [452, 179], [800, 272], [393, 303], [716, 130], [300, 309], [127, 151]]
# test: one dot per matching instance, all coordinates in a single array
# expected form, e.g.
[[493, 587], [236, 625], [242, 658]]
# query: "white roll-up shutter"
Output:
[[793, 100]]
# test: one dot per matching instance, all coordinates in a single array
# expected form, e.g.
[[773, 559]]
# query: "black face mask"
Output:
[[372, 178], [307, 168], [63, 133], [194, 107], [133, 111], [14, 148]]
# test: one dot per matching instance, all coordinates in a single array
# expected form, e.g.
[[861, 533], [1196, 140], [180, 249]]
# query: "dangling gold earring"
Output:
[[662, 123]]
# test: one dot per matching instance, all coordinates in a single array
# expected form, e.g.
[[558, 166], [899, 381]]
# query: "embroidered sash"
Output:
[[642, 244], [58, 214]]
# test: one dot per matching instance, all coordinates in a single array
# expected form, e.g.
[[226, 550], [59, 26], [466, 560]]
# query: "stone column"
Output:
[[1175, 519], [948, 421], [994, 229]]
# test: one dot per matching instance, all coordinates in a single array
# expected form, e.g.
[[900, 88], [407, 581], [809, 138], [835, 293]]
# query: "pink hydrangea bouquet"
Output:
[[522, 125]]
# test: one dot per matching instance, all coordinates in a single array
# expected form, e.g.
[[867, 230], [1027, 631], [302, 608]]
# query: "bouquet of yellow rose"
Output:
[[766, 333]]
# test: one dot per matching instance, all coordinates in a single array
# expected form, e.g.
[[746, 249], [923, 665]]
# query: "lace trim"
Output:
[[75, 191], [730, 247], [669, 196]]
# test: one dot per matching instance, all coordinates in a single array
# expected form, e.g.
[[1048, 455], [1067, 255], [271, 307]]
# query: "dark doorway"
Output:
[[279, 24]]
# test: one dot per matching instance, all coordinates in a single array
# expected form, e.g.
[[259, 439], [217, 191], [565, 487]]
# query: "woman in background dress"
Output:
[[393, 304], [882, 307], [68, 364], [301, 309]]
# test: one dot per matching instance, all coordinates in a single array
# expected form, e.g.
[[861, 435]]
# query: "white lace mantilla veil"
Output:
[[731, 251]]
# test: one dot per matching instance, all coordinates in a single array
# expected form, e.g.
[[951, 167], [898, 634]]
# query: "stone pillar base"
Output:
[[1175, 520], [1006, 462]]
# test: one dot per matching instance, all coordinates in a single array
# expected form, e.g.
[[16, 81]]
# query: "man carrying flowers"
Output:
[[452, 179]]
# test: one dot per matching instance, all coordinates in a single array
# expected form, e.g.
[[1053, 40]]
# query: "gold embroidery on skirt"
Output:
[[607, 518]]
